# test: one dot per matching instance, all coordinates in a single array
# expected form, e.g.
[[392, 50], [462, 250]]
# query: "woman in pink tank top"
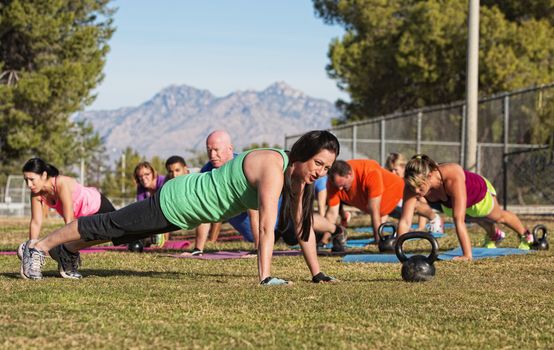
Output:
[[464, 196], [63, 193]]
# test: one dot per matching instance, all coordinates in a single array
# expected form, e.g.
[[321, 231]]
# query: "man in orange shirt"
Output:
[[364, 184]]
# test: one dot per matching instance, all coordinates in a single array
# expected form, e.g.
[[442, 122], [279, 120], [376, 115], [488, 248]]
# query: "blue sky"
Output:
[[218, 45]]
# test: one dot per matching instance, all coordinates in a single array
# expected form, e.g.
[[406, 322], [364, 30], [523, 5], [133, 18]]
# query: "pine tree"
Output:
[[52, 53]]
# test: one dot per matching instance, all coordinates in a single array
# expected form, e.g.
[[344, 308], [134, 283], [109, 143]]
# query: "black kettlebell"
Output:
[[136, 247], [540, 243], [386, 242], [417, 268]]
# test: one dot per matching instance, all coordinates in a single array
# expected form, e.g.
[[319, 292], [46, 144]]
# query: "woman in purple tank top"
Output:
[[464, 196]]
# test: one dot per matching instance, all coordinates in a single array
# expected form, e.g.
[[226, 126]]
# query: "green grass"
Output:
[[129, 300]]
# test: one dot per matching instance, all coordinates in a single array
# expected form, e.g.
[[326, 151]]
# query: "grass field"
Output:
[[147, 301]]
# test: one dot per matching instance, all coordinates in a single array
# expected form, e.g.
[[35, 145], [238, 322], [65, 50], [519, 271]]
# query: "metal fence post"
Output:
[[383, 140], [506, 110], [505, 180], [418, 136]]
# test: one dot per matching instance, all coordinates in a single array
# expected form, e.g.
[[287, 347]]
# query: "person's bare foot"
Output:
[[463, 258]]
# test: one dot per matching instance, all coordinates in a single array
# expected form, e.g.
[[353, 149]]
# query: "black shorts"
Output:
[[105, 205], [133, 222], [288, 235]]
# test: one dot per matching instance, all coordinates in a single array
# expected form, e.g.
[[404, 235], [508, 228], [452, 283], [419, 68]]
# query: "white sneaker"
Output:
[[68, 262], [32, 261], [435, 225], [21, 247]]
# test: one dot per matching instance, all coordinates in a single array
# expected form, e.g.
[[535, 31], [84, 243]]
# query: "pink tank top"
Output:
[[86, 201], [476, 189]]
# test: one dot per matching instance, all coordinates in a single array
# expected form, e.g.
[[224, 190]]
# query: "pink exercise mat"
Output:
[[171, 245]]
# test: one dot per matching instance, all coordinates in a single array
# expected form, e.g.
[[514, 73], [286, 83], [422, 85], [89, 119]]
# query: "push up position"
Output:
[[463, 195], [69, 198], [253, 180]]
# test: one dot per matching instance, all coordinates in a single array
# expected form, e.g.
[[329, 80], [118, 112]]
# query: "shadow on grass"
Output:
[[155, 274], [106, 273]]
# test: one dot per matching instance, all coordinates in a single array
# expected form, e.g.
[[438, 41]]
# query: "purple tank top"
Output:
[[476, 189], [142, 193]]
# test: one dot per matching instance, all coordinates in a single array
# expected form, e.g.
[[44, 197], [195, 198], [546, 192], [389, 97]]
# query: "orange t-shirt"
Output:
[[370, 181]]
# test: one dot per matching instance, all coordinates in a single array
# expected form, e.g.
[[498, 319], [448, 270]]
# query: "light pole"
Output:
[[472, 85]]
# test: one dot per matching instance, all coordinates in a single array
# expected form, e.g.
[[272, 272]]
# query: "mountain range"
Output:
[[178, 119]]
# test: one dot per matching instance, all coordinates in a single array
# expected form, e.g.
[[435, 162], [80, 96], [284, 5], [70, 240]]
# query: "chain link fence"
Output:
[[508, 122], [528, 179]]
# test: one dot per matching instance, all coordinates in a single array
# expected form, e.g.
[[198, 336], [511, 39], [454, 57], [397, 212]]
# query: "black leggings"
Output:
[[128, 224]]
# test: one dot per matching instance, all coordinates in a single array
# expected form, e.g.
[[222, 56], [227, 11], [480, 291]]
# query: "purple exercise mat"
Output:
[[214, 256], [231, 255]]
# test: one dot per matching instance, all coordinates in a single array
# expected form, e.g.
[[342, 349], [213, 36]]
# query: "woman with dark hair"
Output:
[[148, 182], [68, 197], [462, 194], [253, 180]]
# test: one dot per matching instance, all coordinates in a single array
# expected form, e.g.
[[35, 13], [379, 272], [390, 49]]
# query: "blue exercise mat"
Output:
[[388, 229], [356, 243], [481, 253], [478, 253]]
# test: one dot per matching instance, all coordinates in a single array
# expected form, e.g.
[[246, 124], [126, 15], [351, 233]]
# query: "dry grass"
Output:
[[140, 301]]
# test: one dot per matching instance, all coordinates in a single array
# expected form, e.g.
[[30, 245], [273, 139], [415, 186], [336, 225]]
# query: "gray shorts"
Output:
[[133, 222]]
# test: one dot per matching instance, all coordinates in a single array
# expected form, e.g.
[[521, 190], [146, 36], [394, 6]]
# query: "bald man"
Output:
[[220, 150]]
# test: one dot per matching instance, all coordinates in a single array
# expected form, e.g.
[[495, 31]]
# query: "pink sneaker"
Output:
[[491, 242], [499, 235]]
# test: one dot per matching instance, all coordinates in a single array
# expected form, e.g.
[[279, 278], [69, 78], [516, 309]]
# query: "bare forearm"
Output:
[[34, 230], [265, 252], [403, 226], [375, 222], [463, 237], [309, 250]]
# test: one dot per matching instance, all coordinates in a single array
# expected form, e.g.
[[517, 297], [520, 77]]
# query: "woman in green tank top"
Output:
[[254, 180]]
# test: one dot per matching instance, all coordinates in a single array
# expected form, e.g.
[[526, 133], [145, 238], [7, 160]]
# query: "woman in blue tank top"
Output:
[[267, 173]]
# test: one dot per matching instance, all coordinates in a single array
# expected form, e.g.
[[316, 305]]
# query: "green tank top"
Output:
[[190, 200]]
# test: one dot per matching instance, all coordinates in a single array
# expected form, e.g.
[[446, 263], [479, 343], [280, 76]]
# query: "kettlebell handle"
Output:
[[536, 231], [399, 249], [381, 229]]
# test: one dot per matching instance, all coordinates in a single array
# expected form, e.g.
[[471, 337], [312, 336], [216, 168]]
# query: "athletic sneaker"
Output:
[[492, 242], [197, 252], [274, 281], [68, 262], [20, 248], [32, 261], [526, 241], [435, 225], [339, 240], [159, 240]]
